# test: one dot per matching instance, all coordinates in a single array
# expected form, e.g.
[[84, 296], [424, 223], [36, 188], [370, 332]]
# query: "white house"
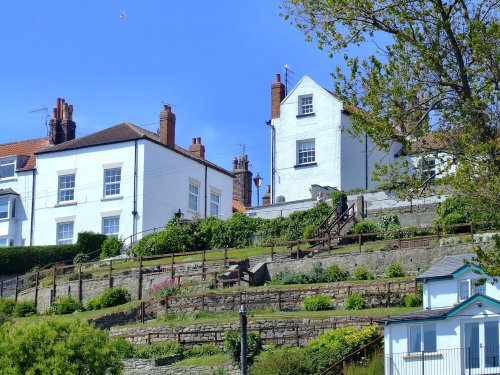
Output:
[[458, 332], [311, 144], [123, 180], [17, 178]]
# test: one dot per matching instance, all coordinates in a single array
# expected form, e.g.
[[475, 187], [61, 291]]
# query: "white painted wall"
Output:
[[444, 293], [161, 189], [89, 207], [449, 338], [18, 228], [324, 127], [166, 177]]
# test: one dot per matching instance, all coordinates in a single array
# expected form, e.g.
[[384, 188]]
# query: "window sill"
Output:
[[306, 115], [68, 203], [13, 178], [305, 165], [111, 198], [425, 355]]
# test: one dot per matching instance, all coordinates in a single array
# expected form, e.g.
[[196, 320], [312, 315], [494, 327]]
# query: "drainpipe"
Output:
[[32, 221], [206, 174], [273, 161], [134, 211]]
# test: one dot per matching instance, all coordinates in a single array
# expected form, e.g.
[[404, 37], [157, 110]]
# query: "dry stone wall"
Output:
[[146, 366]]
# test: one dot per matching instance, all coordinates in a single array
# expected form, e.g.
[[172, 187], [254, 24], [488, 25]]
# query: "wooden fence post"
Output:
[[329, 243], [388, 302], [139, 281], [37, 280], [54, 287], [203, 264], [172, 266], [297, 337], [360, 241], [225, 257], [110, 276], [80, 289], [166, 305], [1, 289], [438, 232], [399, 239], [142, 311], [272, 251], [472, 230], [215, 280], [17, 289], [298, 249], [279, 300]]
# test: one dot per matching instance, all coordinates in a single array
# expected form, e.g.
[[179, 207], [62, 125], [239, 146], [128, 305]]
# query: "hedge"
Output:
[[21, 259]]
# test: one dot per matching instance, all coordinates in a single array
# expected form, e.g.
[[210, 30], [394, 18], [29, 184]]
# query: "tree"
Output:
[[56, 347], [433, 76], [488, 261]]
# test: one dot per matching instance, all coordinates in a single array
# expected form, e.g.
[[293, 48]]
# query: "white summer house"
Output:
[[457, 332]]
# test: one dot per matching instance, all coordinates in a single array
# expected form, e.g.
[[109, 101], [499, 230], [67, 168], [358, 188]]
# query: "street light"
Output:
[[258, 182]]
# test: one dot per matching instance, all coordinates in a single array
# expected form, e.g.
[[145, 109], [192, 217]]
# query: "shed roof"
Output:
[[446, 267]]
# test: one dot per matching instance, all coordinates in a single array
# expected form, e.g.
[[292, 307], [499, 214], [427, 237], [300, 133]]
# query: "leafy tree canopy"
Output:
[[56, 347], [433, 75]]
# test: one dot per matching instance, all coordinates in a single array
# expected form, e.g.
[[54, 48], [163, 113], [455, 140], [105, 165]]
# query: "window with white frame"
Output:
[[306, 152], [422, 338], [467, 288], [7, 167], [194, 192], [66, 188], [4, 208], [112, 181], [428, 168], [4, 242], [65, 233], [111, 225], [214, 204], [306, 105]]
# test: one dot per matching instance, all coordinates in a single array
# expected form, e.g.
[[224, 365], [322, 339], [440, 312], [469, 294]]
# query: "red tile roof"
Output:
[[237, 206], [26, 148], [428, 142]]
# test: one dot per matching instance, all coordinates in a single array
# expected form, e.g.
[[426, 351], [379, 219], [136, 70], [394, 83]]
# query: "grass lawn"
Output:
[[211, 360], [83, 315], [204, 317]]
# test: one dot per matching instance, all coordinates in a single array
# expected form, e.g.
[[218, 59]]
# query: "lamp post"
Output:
[[243, 340], [258, 182]]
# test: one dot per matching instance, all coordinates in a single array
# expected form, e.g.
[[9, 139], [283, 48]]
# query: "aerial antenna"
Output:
[[242, 145], [45, 110], [288, 74], [123, 16]]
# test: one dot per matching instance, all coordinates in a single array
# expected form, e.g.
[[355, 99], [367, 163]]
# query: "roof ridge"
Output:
[[25, 140]]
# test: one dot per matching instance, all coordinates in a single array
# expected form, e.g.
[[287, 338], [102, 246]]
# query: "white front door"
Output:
[[481, 347]]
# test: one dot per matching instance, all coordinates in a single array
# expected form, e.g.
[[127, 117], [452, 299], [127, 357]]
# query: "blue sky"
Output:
[[214, 61]]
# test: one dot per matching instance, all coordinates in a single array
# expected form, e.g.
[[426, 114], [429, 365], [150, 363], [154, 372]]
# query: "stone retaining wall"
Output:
[[145, 366], [296, 332]]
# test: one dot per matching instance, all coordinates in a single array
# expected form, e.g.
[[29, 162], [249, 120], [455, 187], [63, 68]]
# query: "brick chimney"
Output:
[[242, 182], [277, 96], [266, 198], [197, 149], [167, 126], [62, 126]]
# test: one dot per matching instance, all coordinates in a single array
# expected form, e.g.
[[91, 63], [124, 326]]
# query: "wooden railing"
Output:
[[333, 227]]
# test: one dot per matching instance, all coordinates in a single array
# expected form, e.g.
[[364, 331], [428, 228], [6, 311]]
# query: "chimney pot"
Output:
[[199, 140], [167, 126], [277, 96], [278, 78]]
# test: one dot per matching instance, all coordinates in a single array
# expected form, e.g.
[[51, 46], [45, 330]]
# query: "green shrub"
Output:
[[4, 318], [80, 258], [288, 277], [394, 270], [90, 242], [54, 346], [20, 259], [110, 298], [299, 220], [334, 273], [232, 342], [362, 273], [204, 350], [111, 247], [210, 233], [310, 232], [392, 227], [7, 306], [159, 350], [452, 219], [354, 302], [284, 361], [317, 303], [467, 209], [24, 308], [317, 273], [415, 300], [388, 219], [364, 226], [124, 348], [65, 305]]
